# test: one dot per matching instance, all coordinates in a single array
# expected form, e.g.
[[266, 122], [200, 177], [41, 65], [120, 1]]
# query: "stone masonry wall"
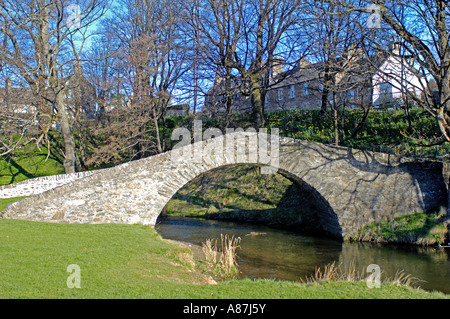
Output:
[[353, 187], [40, 185]]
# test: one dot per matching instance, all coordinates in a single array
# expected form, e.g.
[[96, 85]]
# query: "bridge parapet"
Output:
[[351, 187]]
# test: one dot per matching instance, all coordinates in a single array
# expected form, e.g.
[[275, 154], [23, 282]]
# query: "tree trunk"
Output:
[[325, 91], [229, 98], [336, 121], [361, 123], [257, 104], [443, 122], [69, 143], [158, 138], [444, 92]]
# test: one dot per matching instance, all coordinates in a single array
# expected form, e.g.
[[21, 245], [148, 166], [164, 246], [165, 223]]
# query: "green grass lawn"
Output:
[[28, 163], [132, 261]]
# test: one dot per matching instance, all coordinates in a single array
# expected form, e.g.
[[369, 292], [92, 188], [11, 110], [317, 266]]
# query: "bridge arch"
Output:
[[325, 220], [355, 187]]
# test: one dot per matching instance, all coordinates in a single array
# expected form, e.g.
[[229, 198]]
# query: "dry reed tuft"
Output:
[[222, 262], [333, 272], [402, 279]]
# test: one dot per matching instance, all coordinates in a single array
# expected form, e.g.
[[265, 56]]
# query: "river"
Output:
[[287, 255]]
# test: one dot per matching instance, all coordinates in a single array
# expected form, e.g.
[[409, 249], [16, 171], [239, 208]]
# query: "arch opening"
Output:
[[242, 193]]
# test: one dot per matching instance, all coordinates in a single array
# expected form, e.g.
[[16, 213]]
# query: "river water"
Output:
[[287, 255]]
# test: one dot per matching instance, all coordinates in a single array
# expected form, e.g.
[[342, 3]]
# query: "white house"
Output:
[[395, 78]]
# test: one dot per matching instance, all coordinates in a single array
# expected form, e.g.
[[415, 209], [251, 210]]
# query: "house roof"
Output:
[[17, 95], [351, 68], [355, 70], [178, 107]]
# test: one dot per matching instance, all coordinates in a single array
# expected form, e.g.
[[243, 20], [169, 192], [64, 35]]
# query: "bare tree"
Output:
[[339, 47], [104, 71], [38, 39], [422, 27], [152, 51], [241, 38]]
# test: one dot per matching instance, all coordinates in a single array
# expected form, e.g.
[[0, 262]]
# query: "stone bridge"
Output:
[[351, 187]]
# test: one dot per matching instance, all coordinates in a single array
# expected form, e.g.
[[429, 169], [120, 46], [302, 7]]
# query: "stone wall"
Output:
[[40, 185], [352, 187]]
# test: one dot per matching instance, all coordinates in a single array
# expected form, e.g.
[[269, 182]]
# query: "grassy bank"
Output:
[[230, 188], [420, 229], [131, 261], [28, 163]]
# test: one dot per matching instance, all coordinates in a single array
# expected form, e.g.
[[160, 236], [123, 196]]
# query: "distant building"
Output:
[[396, 78], [357, 80], [79, 93], [305, 86], [178, 110]]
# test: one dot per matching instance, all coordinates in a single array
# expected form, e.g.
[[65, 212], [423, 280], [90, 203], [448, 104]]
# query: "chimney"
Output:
[[303, 63], [277, 67], [395, 48]]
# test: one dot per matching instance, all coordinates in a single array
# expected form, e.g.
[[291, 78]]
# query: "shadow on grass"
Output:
[[20, 170]]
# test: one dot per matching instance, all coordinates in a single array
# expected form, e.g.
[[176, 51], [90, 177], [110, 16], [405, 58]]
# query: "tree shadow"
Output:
[[20, 170], [427, 180], [427, 176]]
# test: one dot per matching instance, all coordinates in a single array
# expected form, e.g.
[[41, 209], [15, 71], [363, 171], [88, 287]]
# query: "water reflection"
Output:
[[430, 265], [287, 255]]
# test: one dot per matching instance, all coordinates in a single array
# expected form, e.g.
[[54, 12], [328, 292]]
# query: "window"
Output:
[[386, 89], [321, 87], [305, 89], [280, 94], [386, 97], [353, 94], [292, 92]]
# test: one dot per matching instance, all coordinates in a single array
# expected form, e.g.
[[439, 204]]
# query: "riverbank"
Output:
[[275, 253], [133, 261], [421, 229]]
